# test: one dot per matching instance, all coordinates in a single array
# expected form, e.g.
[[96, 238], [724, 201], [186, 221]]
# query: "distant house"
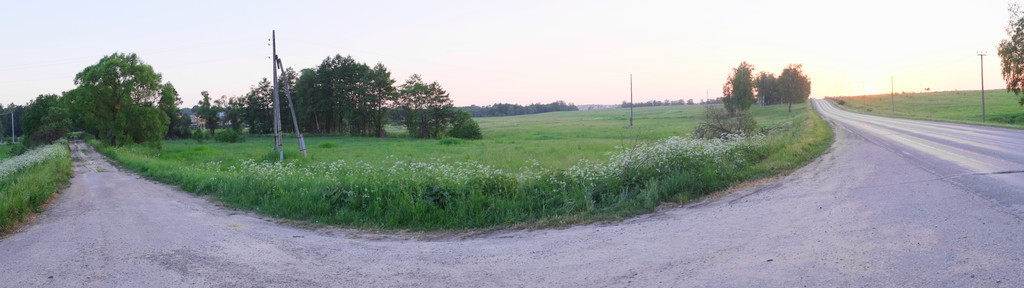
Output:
[[197, 122]]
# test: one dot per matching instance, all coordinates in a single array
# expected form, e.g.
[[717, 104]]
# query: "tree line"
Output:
[[792, 86], [339, 96], [507, 109], [122, 100], [651, 103]]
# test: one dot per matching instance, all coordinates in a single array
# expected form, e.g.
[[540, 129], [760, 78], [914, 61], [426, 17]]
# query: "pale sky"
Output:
[[484, 52]]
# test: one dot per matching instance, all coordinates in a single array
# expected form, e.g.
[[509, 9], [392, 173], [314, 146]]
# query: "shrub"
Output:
[[230, 136], [450, 141], [465, 127], [720, 125], [200, 136], [328, 145]]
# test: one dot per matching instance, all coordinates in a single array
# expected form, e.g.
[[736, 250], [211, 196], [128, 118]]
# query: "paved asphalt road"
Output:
[[894, 203]]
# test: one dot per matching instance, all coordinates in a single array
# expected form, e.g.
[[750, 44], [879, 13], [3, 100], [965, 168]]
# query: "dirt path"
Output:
[[861, 215]]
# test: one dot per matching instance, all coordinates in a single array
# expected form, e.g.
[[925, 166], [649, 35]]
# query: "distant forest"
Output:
[[505, 109]]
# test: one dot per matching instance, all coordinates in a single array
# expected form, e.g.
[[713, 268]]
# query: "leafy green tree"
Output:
[[766, 85], [1011, 52], [794, 86], [306, 108], [378, 94], [258, 110], [425, 109], [233, 112], [208, 111], [119, 83], [738, 89], [169, 102], [46, 120]]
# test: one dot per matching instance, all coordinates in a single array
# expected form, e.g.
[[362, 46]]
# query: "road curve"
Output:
[[986, 160], [870, 212]]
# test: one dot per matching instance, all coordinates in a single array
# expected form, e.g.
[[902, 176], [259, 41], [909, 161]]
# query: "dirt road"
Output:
[[864, 214]]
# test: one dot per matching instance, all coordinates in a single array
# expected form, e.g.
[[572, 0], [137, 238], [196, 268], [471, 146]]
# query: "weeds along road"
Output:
[[893, 203]]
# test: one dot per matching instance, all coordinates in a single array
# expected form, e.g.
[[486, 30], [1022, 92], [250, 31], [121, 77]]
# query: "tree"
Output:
[[208, 112], [766, 85], [258, 110], [424, 109], [794, 86], [169, 102], [1011, 52], [738, 89], [45, 120], [117, 84], [379, 93], [233, 112]]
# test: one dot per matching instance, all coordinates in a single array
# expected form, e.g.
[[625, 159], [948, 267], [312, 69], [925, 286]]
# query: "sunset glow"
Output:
[[518, 51]]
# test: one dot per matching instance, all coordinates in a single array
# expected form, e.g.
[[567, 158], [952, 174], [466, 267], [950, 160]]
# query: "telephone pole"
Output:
[[630, 100], [892, 92], [982, 55], [277, 107]]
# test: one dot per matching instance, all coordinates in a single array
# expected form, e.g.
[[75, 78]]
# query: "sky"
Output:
[[486, 52]]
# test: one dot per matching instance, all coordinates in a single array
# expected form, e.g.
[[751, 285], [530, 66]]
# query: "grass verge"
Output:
[[441, 194], [32, 179], [1001, 107]]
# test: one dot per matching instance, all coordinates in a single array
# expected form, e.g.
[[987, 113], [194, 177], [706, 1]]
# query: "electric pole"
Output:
[[892, 92], [982, 55], [630, 100], [277, 108]]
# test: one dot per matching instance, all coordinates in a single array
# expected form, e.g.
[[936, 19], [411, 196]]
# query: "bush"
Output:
[[18, 149], [230, 136], [720, 125], [465, 127], [328, 145], [200, 136], [450, 141]]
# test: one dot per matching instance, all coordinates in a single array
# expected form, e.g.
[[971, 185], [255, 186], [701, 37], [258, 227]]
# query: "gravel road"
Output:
[[893, 203]]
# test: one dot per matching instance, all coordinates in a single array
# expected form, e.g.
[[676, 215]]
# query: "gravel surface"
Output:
[[869, 212]]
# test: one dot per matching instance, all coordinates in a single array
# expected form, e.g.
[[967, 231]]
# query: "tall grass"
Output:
[[395, 192], [28, 180]]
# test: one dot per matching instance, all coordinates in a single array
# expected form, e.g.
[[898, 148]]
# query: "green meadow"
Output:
[[532, 170], [1001, 107], [555, 140]]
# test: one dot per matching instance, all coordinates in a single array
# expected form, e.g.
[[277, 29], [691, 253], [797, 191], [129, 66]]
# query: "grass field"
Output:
[[1001, 107], [555, 140], [543, 169]]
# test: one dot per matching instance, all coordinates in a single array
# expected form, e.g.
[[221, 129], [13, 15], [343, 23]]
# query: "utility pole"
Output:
[[288, 94], [630, 100], [982, 55], [892, 92], [277, 107]]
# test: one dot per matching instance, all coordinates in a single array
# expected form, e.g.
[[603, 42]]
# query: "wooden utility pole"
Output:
[[982, 55], [278, 141], [291, 107], [630, 100]]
